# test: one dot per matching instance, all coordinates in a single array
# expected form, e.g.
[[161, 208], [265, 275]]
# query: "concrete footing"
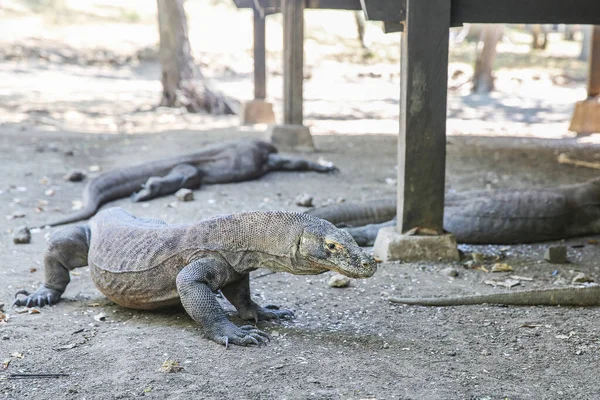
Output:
[[257, 112], [391, 245], [586, 116], [291, 137]]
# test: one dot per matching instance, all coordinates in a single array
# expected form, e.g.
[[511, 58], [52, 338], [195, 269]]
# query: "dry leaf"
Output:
[[76, 205], [509, 283], [94, 168], [521, 278], [480, 268], [50, 192], [5, 363], [32, 270], [3, 317], [94, 305], [501, 267], [170, 366], [17, 355], [34, 311]]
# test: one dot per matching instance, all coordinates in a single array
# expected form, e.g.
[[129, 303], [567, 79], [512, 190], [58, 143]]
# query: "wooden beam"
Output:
[[293, 60], [594, 71], [320, 4], [422, 139], [496, 11], [260, 55]]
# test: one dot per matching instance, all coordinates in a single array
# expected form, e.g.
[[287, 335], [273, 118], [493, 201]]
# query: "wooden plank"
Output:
[[497, 11], [260, 55], [384, 10], [594, 71], [293, 60], [422, 138], [527, 11], [320, 4]]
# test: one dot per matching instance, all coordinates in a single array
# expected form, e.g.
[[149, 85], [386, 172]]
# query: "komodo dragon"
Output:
[[226, 162], [501, 216], [146, 263], [569, 296]]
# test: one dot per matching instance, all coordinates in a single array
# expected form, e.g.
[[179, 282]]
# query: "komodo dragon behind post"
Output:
[[226, 162], [569, 296], [501, 216], [146, 263]]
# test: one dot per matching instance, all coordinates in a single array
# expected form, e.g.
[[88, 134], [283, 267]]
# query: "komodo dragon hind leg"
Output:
[[67, 249], [238, 294], [181, 176], [196, 284], [277, 162]]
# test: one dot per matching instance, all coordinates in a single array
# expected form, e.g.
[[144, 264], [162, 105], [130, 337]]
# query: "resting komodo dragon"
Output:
[[226, 162], [501, 216], [146, 263]]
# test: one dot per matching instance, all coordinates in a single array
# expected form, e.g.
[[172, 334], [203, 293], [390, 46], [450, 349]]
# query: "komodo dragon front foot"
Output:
[[227, 332], [41, 297]]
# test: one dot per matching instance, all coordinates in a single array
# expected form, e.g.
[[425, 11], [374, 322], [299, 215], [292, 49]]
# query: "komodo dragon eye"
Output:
[[331, 246]]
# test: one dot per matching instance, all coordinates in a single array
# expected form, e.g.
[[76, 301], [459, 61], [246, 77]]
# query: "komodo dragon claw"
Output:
[[41, 297]]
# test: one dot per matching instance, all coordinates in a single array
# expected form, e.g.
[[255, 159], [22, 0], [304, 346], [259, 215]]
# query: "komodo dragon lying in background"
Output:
[[146, 263], [226, 162], [501, 216]]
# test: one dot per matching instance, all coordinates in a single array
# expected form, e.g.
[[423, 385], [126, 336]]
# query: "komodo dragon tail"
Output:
[[357, 214], [570, 296]]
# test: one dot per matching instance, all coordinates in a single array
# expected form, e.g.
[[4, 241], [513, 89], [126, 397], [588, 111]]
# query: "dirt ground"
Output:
[[93, 112]]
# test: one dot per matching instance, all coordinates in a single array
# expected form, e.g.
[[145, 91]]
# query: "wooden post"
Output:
[[594, 72], [423, 91], [586, 117], [292, 134], [293, 60], [422, 139], [260, 69]]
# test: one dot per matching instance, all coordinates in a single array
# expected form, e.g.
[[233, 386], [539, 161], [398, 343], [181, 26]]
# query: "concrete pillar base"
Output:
[[586, 116], [257, 112], [291, 137], [391, 245]]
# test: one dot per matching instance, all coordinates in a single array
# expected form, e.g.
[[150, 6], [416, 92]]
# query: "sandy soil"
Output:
[[345, 343]]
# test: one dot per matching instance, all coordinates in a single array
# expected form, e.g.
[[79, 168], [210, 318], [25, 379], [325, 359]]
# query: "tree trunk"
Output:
[[540, 37], [483, 80], [182, 81], [360, 28], [586, 42]]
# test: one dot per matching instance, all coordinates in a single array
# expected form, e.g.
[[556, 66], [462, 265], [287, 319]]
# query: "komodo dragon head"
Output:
[[323, 247]]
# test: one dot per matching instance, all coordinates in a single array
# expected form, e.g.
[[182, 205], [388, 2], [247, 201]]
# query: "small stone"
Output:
[[22, 235], [75, 176], [304, 200], [450, 271], [556, 254], [339, 281], [5, 337], [184, 195], [582, 278], [486, 352]]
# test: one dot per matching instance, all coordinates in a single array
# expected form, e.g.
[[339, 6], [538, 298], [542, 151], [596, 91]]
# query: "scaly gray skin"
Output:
[[570, 296], [226, 162], [503, 216], [146, 264]]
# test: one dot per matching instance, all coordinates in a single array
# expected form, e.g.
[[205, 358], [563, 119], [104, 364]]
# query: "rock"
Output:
[[184, 195], [304, 200], [75, 176], [339, 281], [22, 235], [556, 254], [450, 271], [582, 278], [5, 337]]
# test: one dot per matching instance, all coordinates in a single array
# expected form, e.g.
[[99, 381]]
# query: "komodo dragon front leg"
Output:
[[67, 249], [196, 284], [278, 162], [181, 176]]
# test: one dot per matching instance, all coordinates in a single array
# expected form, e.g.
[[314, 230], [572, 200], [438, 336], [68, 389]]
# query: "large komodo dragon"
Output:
[[502, 216], [226, 162], [147, 264]]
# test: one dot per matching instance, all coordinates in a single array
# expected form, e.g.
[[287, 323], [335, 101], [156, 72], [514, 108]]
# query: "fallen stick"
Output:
[[35, 376], [564, 159]]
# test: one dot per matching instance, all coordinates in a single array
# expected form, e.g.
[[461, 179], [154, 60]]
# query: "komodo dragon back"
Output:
[[570, 296]]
